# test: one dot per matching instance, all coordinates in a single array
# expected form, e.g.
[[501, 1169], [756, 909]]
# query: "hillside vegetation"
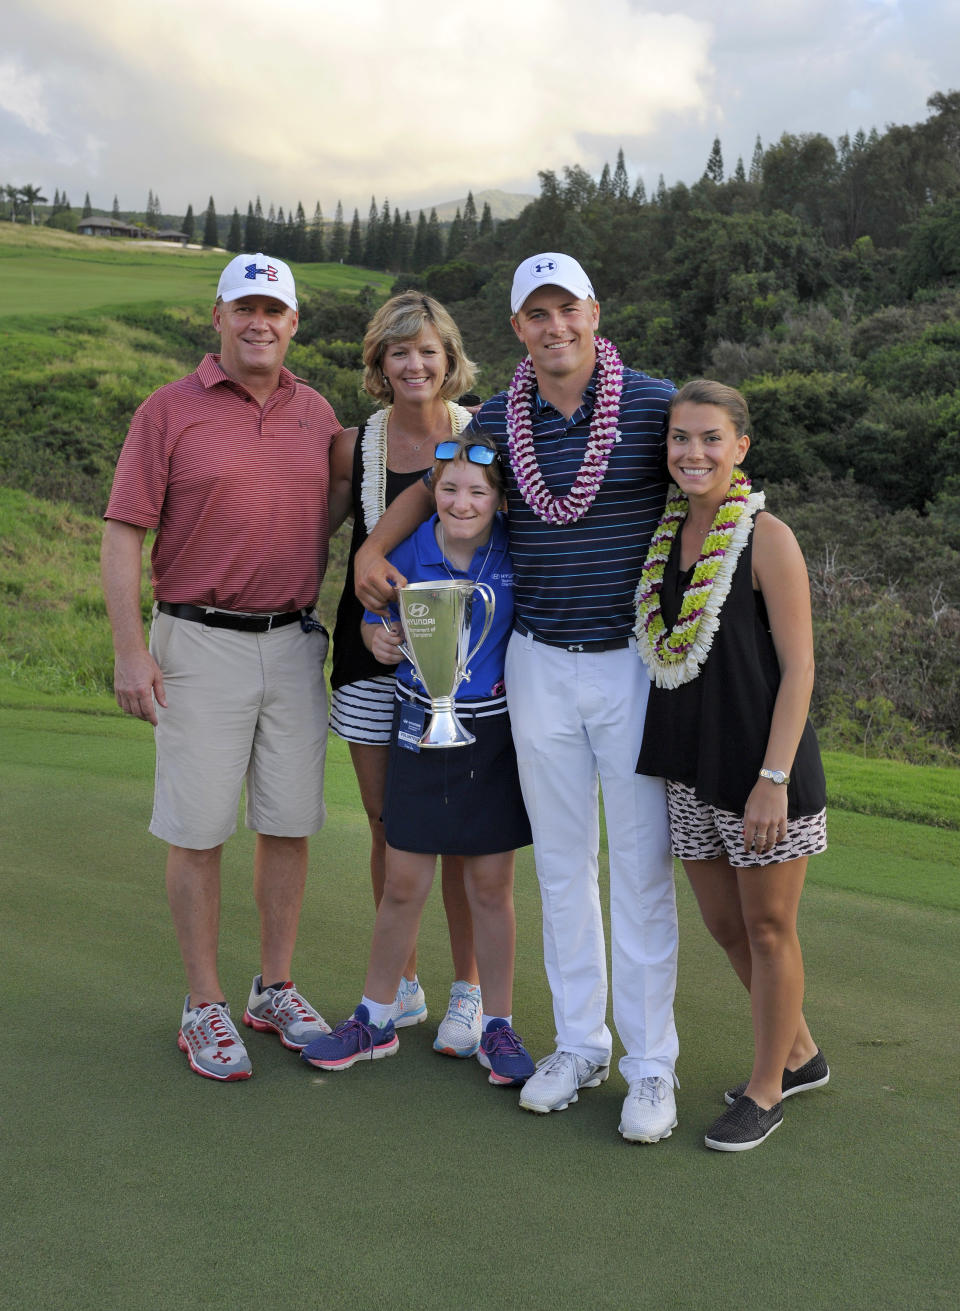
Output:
[[825, 282]]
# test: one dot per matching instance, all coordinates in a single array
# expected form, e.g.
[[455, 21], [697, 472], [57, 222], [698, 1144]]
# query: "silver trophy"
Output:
[[435, 618]]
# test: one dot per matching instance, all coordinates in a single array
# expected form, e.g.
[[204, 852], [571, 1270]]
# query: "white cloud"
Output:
[[321, 98], [22, 96]]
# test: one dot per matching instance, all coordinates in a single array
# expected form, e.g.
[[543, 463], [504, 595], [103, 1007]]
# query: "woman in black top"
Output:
[[724, 626], [414, 364]]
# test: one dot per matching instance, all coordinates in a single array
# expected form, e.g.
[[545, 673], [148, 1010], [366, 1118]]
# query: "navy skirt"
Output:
[[457, 801]]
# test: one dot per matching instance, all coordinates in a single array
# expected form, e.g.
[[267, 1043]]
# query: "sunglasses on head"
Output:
[[475, 453]]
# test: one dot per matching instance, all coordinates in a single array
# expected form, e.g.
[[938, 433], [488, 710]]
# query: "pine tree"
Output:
[[418, 259], [739, 173], [486, 220], [370, 236], [639, 196], [661, 198], [250, 230], [756, 163], [315, 237], [278, 242], [299, 240], [116, 208], [469, 219], [338, 238], [235, 235], [355, 241], [714, 170], [433, 245], [605, 185], [268, 233], [406, 243], [396, 243], [621, 183], [384, 238], [261, 227], [189, 224], [87, 207], [455, 239], [210, 235]]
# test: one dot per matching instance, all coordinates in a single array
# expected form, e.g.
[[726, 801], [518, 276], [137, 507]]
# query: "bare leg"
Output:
[[716, 888], [370, 767], [279, 878], [489, 884], [409, 877], [770, 897], [193, 891], [456, 905]]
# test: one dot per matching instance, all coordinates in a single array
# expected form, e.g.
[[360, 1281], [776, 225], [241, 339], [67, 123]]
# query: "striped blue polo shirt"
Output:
[[575, 583]]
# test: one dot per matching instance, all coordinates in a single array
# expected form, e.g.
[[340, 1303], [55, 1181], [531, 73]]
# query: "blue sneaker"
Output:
[[504, 1055], [354, 1040], [410, 1006]]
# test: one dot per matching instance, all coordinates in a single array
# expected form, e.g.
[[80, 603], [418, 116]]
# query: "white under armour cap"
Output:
[[549, 270], [257, 275]]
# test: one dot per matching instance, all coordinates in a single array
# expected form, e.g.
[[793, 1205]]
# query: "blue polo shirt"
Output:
[[420, 560], [575, 583]]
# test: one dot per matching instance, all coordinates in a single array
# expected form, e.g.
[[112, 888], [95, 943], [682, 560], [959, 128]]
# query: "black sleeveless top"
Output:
[[711, 734], [351, 659]]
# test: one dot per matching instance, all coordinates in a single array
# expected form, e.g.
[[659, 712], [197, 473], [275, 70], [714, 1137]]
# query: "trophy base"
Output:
[[444, 728]]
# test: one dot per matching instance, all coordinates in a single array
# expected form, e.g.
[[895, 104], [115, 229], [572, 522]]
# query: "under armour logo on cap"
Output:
[[270, 272], [549, 269]]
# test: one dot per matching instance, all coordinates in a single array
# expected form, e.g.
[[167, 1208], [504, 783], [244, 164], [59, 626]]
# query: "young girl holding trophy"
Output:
[[723, 625], [463, 800]]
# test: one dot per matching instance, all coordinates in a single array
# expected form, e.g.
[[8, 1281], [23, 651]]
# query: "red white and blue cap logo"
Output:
[[257, 275], [549, 269]]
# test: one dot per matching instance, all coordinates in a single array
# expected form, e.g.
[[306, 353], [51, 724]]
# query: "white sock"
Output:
[[486, 1020], [380, 1011]]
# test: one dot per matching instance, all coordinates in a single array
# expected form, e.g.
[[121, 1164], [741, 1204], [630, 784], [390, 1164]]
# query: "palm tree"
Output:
[[31, 196], [13, 195]]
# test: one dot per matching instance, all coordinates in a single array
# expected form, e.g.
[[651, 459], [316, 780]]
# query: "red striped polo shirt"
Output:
[[238, 494]]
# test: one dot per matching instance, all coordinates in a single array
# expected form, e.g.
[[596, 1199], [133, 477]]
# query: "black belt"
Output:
[[608, 644], [225, 619]]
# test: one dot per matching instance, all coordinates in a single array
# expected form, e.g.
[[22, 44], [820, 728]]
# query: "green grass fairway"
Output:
[[130, 1183], [47, 273]]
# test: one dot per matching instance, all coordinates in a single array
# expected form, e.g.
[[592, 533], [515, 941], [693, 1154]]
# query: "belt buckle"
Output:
[[270, 619]]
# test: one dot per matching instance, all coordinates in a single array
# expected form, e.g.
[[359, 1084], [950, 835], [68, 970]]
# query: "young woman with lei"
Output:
[[724, 627], [414, 364]]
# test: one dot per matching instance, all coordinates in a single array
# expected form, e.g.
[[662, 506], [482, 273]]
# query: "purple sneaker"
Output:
[[504, 1055], [354, 1040]]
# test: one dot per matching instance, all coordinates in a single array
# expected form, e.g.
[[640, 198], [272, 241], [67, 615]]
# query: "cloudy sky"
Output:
[[326, 99]]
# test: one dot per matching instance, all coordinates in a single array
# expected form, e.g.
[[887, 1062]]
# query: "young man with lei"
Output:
[[582, 439]]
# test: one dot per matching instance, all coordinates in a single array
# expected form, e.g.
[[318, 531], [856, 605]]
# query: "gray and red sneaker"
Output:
[[213, 1046], [285, 1012]]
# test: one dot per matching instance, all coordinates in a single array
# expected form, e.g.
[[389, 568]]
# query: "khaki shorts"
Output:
[[241, 707]]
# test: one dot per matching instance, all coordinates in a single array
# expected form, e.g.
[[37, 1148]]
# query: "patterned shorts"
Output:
[[699, 831], [362, 712]]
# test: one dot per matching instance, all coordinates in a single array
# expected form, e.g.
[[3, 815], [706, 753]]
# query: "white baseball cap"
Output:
[[549, 270], [257, 275]]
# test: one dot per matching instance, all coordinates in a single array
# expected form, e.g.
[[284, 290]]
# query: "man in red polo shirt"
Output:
[[230, 465]]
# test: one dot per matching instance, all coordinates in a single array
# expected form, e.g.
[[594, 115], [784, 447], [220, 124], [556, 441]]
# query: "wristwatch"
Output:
[[775, 775]]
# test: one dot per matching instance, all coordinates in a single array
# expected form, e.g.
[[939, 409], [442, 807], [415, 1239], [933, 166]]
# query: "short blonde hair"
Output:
[[402, 318]]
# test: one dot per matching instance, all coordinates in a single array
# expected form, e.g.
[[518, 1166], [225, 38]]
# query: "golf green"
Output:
[[129, 1182]]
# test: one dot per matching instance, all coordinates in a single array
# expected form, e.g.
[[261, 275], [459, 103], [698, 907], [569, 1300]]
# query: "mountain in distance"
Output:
[[503, 205]]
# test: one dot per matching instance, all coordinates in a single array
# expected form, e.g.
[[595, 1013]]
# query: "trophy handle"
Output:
[[489, 601]]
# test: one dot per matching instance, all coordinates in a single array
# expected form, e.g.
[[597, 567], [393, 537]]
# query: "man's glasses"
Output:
[[476, 453]]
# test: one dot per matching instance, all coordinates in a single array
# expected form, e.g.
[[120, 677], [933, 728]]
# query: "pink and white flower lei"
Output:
[[604, 432]]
